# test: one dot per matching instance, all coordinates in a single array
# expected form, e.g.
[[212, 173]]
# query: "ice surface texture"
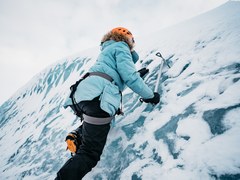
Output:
[[192, 134]]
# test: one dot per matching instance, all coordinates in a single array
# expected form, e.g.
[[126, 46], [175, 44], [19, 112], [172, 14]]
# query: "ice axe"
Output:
[[160, 70], [159, 73]]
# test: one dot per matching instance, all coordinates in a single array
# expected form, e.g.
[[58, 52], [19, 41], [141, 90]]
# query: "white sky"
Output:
[[36, 33]]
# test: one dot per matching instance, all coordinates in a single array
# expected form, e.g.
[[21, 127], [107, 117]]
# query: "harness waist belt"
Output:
[[96, 120], [100, 74]]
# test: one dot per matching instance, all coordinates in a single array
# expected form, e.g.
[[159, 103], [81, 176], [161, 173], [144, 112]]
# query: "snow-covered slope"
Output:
[[194, 133]]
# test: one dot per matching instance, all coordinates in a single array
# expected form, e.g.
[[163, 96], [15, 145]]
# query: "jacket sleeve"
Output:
[[128, 72]]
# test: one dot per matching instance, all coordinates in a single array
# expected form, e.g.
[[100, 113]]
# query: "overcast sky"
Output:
[[36, 33]]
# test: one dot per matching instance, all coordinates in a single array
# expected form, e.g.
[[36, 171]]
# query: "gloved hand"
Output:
[[73, 141], [153, 100], [143, 72]]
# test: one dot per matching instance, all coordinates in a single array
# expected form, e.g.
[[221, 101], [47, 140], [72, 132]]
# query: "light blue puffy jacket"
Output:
[[117, 61]]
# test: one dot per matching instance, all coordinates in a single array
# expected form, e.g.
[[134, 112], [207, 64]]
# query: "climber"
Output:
[[97, 99]]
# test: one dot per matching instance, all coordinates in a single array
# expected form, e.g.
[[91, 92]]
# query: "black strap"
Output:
[[120, 110], [73, 89]]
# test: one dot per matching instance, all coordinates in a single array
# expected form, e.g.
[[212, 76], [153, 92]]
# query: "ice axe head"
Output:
[[159, 54]]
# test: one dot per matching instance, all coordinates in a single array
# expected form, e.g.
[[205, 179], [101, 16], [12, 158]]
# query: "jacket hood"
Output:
[[135, 56]]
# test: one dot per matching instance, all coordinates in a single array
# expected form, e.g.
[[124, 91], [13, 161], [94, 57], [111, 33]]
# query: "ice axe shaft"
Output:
[[160, 71]]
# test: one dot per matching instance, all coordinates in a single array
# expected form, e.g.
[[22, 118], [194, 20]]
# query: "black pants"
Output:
[[93, 141]]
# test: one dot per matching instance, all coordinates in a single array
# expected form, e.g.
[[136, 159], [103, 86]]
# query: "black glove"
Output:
[[153, 100], [143, 72], [73, 141]]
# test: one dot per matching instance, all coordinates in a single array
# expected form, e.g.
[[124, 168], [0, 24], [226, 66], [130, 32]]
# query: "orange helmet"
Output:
[[123, 31]]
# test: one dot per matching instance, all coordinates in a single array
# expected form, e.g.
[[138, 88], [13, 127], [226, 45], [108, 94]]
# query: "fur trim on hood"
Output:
[[117, 37]]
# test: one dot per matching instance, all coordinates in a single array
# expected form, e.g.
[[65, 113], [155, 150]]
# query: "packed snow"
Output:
[[192, 134]]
